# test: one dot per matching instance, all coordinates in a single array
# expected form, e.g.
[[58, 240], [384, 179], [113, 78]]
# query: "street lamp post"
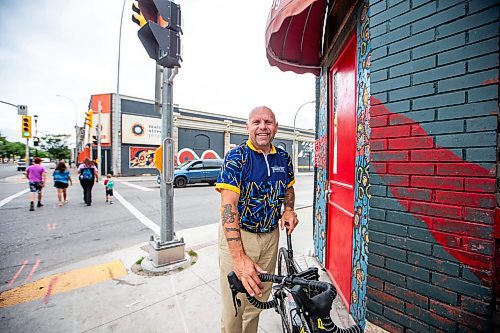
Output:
[[116, 110], [295, 141]]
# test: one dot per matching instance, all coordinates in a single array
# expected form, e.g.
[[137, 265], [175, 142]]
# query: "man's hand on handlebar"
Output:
[[247, 271], [289, 220]]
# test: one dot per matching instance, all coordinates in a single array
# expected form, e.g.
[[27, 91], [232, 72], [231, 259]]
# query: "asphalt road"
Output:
[[52, 236], [7, 170]]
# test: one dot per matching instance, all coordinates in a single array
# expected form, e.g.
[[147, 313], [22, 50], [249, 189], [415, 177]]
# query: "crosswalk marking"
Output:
[[12, 197], [140, 216], [142, 188]]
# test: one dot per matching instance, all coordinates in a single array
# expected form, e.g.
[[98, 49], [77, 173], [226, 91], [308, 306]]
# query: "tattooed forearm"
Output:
[[229, 217], [227, 214], [290, 198]]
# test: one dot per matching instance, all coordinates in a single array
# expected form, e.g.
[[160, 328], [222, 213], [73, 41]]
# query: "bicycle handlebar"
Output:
[[319, 306]]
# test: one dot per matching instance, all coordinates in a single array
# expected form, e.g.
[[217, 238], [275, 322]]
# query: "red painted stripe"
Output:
[[35, 266], [497, 223], [49, 290], [439, 193], [18, 273]]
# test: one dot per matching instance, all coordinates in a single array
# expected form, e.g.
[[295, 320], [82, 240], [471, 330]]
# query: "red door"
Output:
[[342, 150]]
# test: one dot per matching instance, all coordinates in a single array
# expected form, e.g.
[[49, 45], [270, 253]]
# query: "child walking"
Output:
[[61, 179], [109, 184]]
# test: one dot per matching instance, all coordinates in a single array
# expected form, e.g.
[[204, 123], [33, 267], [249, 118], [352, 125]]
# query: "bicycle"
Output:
[[302, 301]]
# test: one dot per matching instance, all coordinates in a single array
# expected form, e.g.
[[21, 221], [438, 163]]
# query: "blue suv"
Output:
[[197, 171]]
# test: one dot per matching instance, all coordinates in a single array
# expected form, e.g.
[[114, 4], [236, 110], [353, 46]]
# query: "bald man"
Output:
[[256, 180]]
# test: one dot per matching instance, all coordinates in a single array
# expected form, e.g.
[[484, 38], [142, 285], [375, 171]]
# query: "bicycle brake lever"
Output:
[[236, 287]]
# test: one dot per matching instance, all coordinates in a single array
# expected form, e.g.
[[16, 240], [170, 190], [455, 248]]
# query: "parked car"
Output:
[[21, 165], [197, 171], [47, 163]]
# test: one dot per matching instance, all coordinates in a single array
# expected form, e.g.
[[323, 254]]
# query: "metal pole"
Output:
[[167, 189], [98, 134], [119, 51], [158, 88], [27, 152], [35, 117], [295, 141], [89, 136], [77, 134]]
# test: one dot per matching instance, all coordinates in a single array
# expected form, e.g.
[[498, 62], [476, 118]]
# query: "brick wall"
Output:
[[434, 111]]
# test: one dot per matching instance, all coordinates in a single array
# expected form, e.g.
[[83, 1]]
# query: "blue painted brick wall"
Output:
[[435, 63]]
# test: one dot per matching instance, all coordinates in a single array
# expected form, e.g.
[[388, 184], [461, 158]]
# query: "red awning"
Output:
[[293, 35]]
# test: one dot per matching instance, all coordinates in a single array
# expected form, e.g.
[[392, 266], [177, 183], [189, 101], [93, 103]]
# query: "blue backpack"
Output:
[[87, 174]]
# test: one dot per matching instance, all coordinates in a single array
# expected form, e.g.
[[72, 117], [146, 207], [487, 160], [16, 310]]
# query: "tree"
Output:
[[56, 145], [11, 149]]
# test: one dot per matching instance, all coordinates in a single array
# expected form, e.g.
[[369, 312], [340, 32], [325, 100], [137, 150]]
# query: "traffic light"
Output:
[[88, 118], [26, 126], [137, 16], [160, 36]]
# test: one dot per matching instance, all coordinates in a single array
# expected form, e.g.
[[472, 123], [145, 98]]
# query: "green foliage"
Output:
[[11, 149], [138, 261], [56, 145]]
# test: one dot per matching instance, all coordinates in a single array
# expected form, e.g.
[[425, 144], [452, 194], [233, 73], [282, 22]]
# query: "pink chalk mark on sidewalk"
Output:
[[18, 273], [35, 266], [46, 298]]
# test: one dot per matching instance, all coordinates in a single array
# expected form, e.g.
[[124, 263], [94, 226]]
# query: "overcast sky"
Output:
[[70, 48]]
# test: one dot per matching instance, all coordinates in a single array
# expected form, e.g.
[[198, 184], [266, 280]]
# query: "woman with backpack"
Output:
[[88, 176], [61, 180]]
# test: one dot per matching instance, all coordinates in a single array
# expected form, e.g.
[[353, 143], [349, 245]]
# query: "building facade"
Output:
[[131, 132], [406, 213]]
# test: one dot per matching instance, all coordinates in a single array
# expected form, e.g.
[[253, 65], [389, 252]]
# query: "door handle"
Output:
[[327, 195]]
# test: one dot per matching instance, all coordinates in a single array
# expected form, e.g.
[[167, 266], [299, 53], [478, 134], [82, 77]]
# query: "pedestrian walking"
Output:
[[256, 180], [61, 179], [36, 175], [88, 176], [109, 184]]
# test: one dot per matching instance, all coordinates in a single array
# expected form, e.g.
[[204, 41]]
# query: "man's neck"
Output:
[[266, 149]]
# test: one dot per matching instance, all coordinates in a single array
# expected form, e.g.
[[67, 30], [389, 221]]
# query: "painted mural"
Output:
[[141, 157], [321, 171], [187, 154], [362, 177]]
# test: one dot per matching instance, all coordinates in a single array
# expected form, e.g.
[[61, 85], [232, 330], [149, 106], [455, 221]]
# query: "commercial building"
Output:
[[131, 132]]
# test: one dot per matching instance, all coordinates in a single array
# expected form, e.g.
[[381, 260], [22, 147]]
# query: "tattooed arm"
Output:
[[289, 215], [243, 265]]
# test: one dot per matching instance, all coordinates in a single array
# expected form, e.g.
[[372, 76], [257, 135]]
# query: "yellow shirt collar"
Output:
[[249, 143]]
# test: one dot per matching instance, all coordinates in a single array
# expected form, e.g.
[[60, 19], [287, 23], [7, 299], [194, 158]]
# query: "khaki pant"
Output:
[[263, 250]]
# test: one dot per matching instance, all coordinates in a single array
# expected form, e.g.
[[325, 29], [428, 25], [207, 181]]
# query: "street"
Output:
[[34, 243]]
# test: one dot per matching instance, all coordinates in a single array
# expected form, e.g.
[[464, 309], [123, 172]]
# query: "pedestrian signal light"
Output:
[[88, 118], [160, 36], [137, 16], [26, 127]]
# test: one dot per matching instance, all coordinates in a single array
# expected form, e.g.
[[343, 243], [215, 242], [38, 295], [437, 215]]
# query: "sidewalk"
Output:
[[185, 301]]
